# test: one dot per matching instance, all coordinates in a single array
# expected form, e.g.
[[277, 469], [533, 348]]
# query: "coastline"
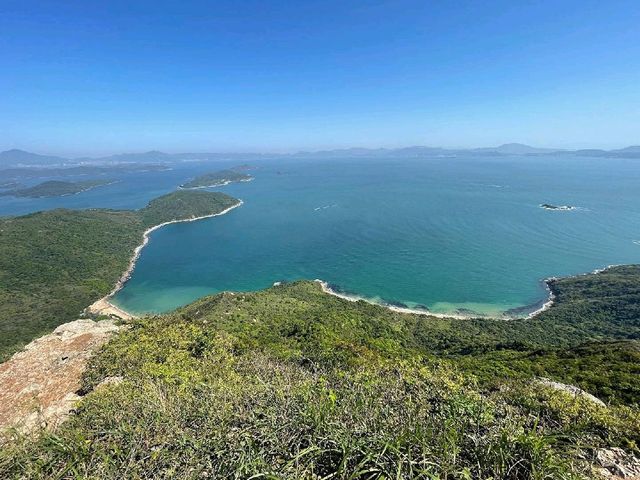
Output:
[[551, 298], [103, 306], [326, 288], [415, 311]]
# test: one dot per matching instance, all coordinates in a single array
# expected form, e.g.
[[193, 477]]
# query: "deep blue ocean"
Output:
[[445, 233]]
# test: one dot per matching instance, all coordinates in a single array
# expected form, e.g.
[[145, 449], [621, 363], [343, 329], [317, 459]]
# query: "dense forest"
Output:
[[54, 264]]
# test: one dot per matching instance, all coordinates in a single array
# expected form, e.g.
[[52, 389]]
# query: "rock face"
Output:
[[572, 389], [616, 464], [38, 385]]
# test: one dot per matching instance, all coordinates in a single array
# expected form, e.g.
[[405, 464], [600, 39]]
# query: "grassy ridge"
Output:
[[54, 264], [292, 383]]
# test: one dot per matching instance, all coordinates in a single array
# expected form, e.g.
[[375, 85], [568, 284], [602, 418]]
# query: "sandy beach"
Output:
[[352, 298], [104, 306]]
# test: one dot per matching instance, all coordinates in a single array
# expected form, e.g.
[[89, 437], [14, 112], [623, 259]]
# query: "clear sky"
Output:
[[94, 77]]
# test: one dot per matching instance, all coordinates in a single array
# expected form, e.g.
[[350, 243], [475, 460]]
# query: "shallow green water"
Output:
[[443, 233]]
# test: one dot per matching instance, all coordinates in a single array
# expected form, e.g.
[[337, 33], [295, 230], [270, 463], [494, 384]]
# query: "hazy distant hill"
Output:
[[17, 157], [145, 157], [516, 149], [628, 152]]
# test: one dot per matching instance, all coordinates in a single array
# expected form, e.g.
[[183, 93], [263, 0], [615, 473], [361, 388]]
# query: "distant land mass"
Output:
[[17, 157], [55, 188], [217, 179], [516, 149], [21, 158], [72, 170]]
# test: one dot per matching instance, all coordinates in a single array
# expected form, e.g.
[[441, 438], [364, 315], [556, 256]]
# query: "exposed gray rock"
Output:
[[615, 463], [38, 385], [572, 389]]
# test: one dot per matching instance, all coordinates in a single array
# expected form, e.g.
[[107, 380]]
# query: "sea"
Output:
[[454, 235]]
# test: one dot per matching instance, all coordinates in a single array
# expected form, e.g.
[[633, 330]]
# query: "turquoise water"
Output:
[[448, 234]]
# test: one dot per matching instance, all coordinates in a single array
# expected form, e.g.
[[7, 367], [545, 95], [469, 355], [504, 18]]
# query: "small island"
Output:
[[56, 188], [562, 208], [219, 178]]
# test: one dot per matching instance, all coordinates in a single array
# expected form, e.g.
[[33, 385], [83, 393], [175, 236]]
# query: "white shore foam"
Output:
[[545, 306], [104, 306], [549, 303], [416, 311]]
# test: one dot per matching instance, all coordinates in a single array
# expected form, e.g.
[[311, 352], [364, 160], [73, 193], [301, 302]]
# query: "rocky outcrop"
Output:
[[572, 389], [38, 385], [616, 464]]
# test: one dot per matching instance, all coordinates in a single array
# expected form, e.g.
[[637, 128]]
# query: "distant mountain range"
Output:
[[21, 158], [506, 149]]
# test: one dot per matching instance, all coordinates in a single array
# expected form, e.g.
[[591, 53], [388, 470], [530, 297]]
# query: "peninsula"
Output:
[[56, 188], [219, 178]]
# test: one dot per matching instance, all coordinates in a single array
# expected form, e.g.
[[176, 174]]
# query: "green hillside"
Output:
[[184, 205], [290, 382]]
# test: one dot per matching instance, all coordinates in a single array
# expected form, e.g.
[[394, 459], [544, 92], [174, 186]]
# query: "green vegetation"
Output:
[[56, 188], [608, 370], [216, 179], [54, 264], [290, 382], [182, 205]]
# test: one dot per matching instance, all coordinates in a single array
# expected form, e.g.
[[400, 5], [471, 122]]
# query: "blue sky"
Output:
[[95, 77]]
